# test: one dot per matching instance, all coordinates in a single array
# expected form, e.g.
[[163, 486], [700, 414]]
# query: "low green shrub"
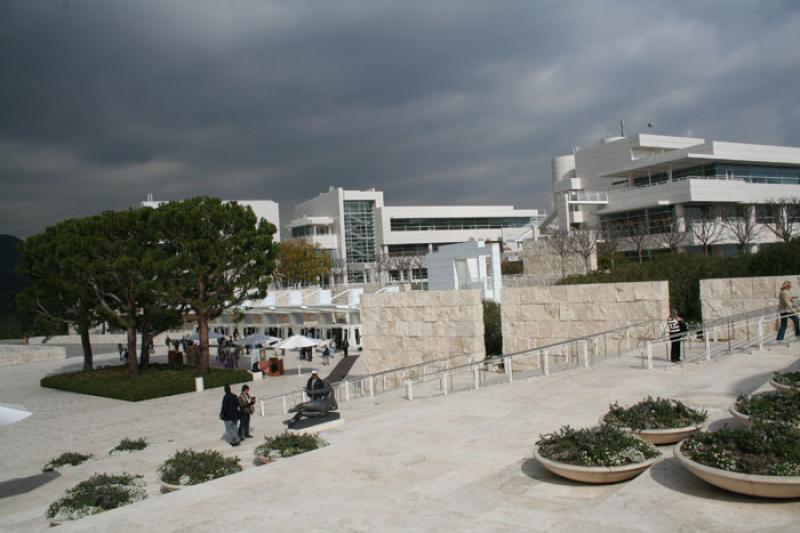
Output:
[[129, 445], [771, 406], [599, 446], [658, 413], [188, 467], [289, 444], [99, 493], [765, 449], [790, 379], [66, 458], [160, 380]]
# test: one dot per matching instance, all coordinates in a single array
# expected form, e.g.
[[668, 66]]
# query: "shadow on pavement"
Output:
[[532, 468], [21, 485]]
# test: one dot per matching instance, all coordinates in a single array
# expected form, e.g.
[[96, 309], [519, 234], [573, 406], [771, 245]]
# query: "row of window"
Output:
[[310, 230], [747, 173], [433, 224]]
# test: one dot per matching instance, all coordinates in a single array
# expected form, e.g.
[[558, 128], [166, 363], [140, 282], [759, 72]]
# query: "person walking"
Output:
[[786, 310], [246, 408], [119, 349], [345, 345], [326, 355], [229, 414], [676, 326]]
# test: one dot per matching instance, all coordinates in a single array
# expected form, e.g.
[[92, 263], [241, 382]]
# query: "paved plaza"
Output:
[[460, 463]]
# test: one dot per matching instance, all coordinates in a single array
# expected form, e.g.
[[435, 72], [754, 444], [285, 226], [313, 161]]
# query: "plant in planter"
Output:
[[761, 461], [188, 467], [768, 406], [659, 420], [786, 380], [603, 454], [66, 458], [99, 493], [129, 445], [288, 444]]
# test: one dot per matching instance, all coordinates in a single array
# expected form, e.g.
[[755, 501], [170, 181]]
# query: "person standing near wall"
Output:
[[786, 310], [246, 408], [676, 326], [229, 414]]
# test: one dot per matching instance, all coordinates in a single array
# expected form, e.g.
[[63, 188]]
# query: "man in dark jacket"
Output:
[[229, 414], [314, 383]]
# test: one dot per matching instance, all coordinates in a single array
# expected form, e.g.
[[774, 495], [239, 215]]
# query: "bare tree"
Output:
[[584, 244], [417, 263], [669, 234], [636, 236], [559, 244], [383, 263], [742, 226], [784, 219], [611, 236], [707, 229], [402, 263]]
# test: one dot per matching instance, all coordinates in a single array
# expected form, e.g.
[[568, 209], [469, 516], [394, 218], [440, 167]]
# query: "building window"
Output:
[[467, 223], [359, 230], [407, 249]]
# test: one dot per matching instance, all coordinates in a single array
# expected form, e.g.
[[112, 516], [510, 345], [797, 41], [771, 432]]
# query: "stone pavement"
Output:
[[461, 463]]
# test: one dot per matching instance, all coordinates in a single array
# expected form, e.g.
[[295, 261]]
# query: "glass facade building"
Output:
[[359, 230]]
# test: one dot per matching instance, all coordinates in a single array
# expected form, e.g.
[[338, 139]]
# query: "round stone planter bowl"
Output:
[[169, 487], [782, 387], [661, 437], [594, 474], [780, 487], [741, 417]]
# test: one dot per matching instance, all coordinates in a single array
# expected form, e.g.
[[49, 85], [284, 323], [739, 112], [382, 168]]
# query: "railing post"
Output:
[[346, 391], [729, 337], [409, 389], [305, 397], [546, 363], [444, 383], [585, 353], [509, 370], [371, 387], [285, 407], [649, 348], [263, 412], [384, 383], [476, 377], [761, 333], [708, 346], [627, 339]]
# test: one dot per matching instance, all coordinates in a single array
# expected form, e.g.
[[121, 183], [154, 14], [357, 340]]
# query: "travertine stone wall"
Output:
[[17, 354], [723, 297], [537, 316], [539, 259], [406, 328]]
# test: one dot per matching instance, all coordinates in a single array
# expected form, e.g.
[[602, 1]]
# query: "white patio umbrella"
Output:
[[297, 341], [260, 338], [9, 414]]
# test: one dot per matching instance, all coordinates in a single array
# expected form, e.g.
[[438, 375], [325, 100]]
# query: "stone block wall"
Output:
[[724, 297], [538, 316], [539, 260], [18, 354], [406, 328]]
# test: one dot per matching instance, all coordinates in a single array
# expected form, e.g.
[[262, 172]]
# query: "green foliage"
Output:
[[492, 328], [604, 445], [289, 444], [766, 449], [790, 379], [302, 263], [66, 458], [99, 493], [161, 380], [188, 467], [684, 272], [129, 445], [510, 268], [771, 406], [658, 413]]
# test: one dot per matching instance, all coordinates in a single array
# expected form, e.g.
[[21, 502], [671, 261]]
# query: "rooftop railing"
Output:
[[763, 180]]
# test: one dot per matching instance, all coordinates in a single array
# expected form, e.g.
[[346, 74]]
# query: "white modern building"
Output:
[[467, 265], [658, 182], [263, 209], [362, 233]]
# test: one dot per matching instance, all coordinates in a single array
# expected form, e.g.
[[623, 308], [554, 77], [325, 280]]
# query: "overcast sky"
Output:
[[433, 102]]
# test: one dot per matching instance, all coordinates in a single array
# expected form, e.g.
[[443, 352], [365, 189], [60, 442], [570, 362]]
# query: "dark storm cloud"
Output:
[[433, 102]]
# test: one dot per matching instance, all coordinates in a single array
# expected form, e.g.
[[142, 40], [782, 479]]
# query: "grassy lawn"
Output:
[[160, 380]]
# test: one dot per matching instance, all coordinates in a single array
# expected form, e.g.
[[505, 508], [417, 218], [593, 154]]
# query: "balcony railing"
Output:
[[762, 180], [588, 197]]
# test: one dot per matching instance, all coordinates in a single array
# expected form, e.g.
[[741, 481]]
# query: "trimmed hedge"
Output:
[[160, 380]]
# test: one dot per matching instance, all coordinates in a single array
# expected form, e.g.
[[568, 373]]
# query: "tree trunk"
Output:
[[202, 360], [86, 343], [144, 357], [133, 366]]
